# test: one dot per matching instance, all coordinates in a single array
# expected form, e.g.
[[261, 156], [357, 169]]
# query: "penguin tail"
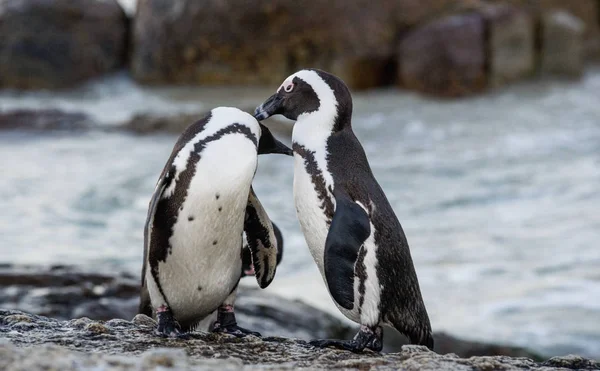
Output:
[[421, 338], [428, 341]]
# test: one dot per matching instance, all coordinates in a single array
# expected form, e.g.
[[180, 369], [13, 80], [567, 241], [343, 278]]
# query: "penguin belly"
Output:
[[315, 228], [204, 263]]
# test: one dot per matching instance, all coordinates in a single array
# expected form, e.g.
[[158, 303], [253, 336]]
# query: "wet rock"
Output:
[[52, 344], [562, 44], [115, 300], [511, 43], [256, 42], [446, 57], [572, 362], [56, 44], [44, 120], [65, 293]]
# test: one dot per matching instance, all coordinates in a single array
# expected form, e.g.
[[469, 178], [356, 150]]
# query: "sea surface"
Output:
[[499, 196]]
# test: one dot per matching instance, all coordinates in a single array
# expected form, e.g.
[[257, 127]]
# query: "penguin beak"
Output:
[[270, 107], [269, 144]]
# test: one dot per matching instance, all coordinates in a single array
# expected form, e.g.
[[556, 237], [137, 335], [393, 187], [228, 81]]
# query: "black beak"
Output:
[[269, 108], [268, 143]]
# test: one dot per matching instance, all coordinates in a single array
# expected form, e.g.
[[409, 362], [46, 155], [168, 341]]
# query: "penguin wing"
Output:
[[261, 241], [349, 229], [158, 192]]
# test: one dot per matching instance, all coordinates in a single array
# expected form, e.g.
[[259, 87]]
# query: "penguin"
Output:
[[202, 204], [349, 225]]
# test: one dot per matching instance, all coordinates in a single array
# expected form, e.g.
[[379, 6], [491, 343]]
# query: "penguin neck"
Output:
[[312, 133]]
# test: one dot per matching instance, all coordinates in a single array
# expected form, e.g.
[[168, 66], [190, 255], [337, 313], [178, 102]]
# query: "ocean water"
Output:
[[499, 196]]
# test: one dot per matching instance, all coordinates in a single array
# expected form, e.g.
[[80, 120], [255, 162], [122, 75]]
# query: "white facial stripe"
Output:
[[221, 118], [287, 82], [312, 129]]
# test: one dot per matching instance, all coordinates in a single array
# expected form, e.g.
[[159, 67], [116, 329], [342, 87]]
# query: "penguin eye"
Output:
[[289, 87]]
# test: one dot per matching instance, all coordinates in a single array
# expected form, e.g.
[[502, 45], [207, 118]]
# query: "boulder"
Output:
[[33, 342], [562, 44], [56, 44], [586, 10], [510, 43], [256, 42], [445, 57]]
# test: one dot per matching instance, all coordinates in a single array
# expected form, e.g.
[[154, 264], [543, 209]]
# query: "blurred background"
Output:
[[481, 121]]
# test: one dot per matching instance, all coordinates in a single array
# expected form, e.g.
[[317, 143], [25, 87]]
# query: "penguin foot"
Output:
[[235, 330], [167, 325], [226, 324], [365, 338], [350, 345], [376, 344]]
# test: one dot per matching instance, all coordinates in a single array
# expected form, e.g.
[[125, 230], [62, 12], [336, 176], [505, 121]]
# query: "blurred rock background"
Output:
[[438, 47]]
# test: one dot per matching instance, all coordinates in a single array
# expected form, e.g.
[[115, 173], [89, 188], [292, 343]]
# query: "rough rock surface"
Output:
[[510, 44], [562, 44], [445, 57], [119, 344], [65, 292], [55, 44]]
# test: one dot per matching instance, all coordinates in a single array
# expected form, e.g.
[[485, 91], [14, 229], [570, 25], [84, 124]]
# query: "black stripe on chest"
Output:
[[316, 175], [169, 208]]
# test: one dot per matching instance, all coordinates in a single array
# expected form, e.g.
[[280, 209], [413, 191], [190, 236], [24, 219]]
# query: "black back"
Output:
[[401, 300]]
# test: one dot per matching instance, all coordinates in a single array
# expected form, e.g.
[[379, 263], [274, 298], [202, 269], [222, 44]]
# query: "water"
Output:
[[498, 196]]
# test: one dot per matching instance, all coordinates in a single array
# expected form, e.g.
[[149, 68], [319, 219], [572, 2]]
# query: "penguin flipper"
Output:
[[145, 306], [349, 229], [261, 241]]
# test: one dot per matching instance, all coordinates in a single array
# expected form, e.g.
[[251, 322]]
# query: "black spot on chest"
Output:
[[316, 174]]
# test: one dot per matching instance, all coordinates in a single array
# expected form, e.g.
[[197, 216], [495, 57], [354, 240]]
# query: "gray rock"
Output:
[[121, 345], [56, 44], [44, 120], [65, 293], [562, 44], [511, 44], [445, 57]]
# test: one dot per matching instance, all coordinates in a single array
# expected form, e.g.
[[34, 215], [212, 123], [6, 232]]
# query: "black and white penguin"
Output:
[[202, 204], [350, 228]]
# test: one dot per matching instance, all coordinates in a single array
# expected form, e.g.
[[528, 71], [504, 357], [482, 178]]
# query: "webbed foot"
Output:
[[167, 325], [226, 324], [365, 338]]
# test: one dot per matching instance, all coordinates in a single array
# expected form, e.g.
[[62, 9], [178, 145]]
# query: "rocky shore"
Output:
[[34, 342], [63, 318], [440, 47]]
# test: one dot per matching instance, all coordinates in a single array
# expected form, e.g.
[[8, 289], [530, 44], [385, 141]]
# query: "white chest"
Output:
[[205, 264], [310, 213]]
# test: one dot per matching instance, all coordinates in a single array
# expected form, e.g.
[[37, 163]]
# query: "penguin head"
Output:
[[223, 117], [308, 92]]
